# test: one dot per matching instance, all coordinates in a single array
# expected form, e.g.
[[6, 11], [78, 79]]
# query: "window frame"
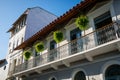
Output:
[[78, 70], [52, 78]]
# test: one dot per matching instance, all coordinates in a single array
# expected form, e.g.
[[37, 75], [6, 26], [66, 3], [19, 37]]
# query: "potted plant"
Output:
[[58, 36], [82, 23], [27, 54], [39, 47]]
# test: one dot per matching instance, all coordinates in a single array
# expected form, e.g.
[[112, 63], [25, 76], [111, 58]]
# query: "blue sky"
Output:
[[12, 9]]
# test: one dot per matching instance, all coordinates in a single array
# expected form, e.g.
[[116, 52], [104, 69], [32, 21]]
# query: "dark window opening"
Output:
[[75, 35], [17, 43], [13, 46], [4, 67], [103, 20], [36, 54], [53, 45], [113, 73], [105, 34], [53, 52], [21, 39], [53, 79], [80, 76]]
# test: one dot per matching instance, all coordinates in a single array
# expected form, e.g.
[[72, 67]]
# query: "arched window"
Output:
[[52, 78], [80, 75], [113, 72]]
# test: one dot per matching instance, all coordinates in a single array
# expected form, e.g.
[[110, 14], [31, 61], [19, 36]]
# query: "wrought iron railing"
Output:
[[91, 40]]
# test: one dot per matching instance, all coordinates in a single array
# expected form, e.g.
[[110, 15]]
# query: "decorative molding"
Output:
[[76, 71]]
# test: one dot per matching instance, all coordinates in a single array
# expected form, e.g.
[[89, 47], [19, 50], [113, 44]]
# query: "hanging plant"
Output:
[[39, 47], [58, 36], [82, 23], [27, 55]]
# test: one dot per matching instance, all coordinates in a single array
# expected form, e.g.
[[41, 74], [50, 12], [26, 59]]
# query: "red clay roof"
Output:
[[50, 27]]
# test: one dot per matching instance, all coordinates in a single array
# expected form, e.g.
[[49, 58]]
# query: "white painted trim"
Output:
[[83, 64], [105, 66], [76, 71]]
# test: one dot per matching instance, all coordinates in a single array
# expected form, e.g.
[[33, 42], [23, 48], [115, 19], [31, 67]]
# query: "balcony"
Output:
[[95, 43]]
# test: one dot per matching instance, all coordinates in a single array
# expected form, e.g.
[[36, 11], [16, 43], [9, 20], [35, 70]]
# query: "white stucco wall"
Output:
[[3, 70], [92, 37], [39, 18], [36, 20], [17, 38]]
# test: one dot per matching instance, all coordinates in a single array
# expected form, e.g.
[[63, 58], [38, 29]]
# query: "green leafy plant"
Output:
[[58, 36], [39, 47], [82, 22], [27, 54]]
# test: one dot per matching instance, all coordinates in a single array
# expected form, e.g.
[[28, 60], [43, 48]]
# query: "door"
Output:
[[75, 36], [107, 33], [53, 52]]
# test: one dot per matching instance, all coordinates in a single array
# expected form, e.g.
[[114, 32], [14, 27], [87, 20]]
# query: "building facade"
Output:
[[90, 55], [3, 69], [32, 20]]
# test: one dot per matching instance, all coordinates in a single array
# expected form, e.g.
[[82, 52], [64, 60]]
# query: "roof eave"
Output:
[[60, 19]]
